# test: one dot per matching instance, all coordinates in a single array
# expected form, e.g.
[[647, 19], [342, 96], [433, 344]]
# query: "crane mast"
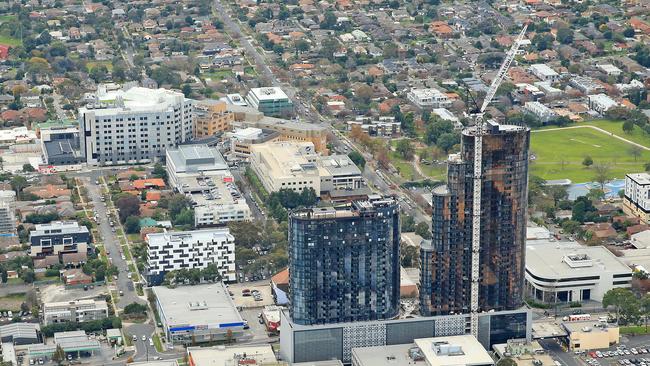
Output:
[[478, 179]]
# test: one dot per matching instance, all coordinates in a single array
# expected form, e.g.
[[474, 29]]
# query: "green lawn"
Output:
[[405, 168], [218, 74], [570, 146], [616, 127], [157, 343], [91, 64], [435, 171], [640, 329], [10, 41]]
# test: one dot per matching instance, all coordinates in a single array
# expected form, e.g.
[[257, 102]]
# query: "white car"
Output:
[[144, 337]]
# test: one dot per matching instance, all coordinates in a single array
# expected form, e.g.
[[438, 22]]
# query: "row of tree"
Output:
[[193, 276]]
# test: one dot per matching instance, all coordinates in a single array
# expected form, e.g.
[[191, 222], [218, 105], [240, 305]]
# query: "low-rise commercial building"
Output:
[[169, 251], [241, 140], [428, 98], [58, 237], [461, 350], [198, 314], [636, 200], [271, 101], [19, 333], [571, 272], [586, 85], [211, 117], [238, 355], [60, 146], [192, 161], [590, 335], [74, 311], [544, 73]]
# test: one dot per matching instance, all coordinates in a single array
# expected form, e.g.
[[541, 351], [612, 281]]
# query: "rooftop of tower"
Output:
[[356, 208], [492, 128]]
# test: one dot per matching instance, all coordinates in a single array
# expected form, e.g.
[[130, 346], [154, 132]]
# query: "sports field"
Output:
[[559, 153]]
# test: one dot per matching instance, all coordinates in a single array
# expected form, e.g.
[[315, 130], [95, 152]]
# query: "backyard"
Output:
[[559, 153]]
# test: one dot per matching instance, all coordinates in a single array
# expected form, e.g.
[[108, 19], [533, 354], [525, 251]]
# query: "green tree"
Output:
[[187, 90], [405, 149], [422, 229], [329, 20], [132, 225], [357, 159], [18, 183], [645, 305], [408, 224], [159, 171], [28, 276], [588, 161], [59, 355], [410, 256], [636, 152], [128, 205], [564, 35], [28, 168], [447, 141], [625, 304], [602, 174], [628, 127], [435, 129]]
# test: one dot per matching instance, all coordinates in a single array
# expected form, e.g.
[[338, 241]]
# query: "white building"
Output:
[[200, 173], [636, 201], [17, 135], [170, 251], [610, 69], [296, 166], [133, 125], [544, 113], [601, 103], [446, 115], [7, 212], [271, 101], [74, 311], [428, 98], [565, 272], [544, 73]]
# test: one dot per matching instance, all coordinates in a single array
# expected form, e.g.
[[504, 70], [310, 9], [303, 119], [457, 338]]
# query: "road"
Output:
[[123, 283]]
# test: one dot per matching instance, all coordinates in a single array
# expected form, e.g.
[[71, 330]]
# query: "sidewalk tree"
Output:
[[625, 304], [59, 355]]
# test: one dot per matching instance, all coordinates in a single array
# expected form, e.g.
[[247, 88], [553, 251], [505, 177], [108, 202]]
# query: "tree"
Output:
[[410, 256], [187, 90], [59, 355], [357, 159], [624, 302], [645, 305], [564, 35], [28, 168], [28, 276], [588, 161], [132, 225], [135, 308], [602, 174], [408, 224], [405, 149], [18, 183], [329, 20], [447, 141], [159, 171], [422, 229], [628, 126], [435, 129], [506, 361], [128, 205], [636, 152]]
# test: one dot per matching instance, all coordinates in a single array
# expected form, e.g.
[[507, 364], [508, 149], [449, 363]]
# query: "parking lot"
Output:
[[621, 355], [249, 301]]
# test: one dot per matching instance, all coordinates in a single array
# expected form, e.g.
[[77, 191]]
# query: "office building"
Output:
[[539, 110], [74, 311], [211, 117], [57, 238], [170, 251], [344, 262], [636, 200], [135, 125], [198, 314], [566, 272], [314, 343], [271, 101], [460, 350], [8, 212], [296, 166], [60, 146], [428, 98], [446, 262], [544, 73], [601, 103]]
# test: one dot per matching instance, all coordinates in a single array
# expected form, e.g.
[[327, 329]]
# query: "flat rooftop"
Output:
[[279, 124], [285, 159], [136, 99], [453, 351], [338, 165], [353, 210], [208, 304], [586, 326], [399, 354], [640, 178], [195, 158], [58, 227], [565, 260], [220, 355], [269, 93], [210, 190]]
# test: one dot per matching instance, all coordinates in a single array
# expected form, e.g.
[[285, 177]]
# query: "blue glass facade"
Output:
[[344, 263]]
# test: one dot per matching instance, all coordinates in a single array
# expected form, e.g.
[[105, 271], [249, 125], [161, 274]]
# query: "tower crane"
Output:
[[478, 178]]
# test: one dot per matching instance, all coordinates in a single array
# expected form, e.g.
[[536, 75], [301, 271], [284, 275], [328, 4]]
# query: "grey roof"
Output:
[[208, 304], [188, 158], [61, 148], [19, 330]]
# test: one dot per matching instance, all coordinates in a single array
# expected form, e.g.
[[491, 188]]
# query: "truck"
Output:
[[579, 317], [271, 317]]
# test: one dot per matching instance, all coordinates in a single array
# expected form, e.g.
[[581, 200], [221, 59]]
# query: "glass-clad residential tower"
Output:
[[445, 275], [344, 262]]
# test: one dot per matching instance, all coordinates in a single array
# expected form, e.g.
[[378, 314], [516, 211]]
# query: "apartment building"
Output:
[[74, 311], [7, 212], [539, 110], [134, 125], [58, 237], [544, 73], [169, 251], [636, 201], [428, 98], [211, 117], [601, 103]]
